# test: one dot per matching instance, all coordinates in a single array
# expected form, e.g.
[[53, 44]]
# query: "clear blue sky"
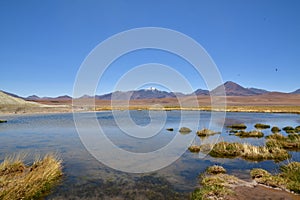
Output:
[[43, 43]]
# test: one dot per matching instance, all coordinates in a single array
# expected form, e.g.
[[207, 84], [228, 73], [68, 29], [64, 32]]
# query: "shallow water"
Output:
[[85, 177]]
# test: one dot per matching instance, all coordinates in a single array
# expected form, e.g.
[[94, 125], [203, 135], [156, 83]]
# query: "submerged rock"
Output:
[[206, 132], [185, 130]]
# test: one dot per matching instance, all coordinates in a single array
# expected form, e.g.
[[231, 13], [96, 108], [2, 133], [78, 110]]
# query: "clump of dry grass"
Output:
[[291, 142], [257, 153], [289, 178], [213, 187], [194, 148], [238, 126], [288, 129], [275, 129], [206, 132], [215, 184], [263, 177], [226, 149], [18, 181], [216, 169], [244, 134], [297, 129], [248, 152], [276, 136], [262, 126]]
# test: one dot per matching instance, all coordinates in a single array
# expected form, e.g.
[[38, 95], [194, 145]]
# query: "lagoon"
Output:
[[85, 177]]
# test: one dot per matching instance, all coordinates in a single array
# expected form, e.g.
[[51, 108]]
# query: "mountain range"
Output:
[[231, 89], [296, 92]]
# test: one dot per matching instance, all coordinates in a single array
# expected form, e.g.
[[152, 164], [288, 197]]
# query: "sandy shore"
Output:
[[262, 193], [250, 109]]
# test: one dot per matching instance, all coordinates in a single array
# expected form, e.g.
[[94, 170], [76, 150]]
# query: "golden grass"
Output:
[[248, 152], [291, 142], [264, 109], [18, 181], [194, 148], [216, 169], [215, 184], [262, 126], [289, 129], [245, 134], [237, 126], [240, 108], [275, 129], [288, 178]]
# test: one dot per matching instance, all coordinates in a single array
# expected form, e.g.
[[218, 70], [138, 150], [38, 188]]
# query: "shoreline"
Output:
[[246, 109], [242, 109]]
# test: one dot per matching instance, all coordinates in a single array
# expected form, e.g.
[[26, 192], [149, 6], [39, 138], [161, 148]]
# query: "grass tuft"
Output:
[[18, 181], [289, 178], [290, 142], [194, 148], [245, 134], [275, 129], [215, 184], [216, 169], [297, 129], [288, 129], [238, 126], [262, 126], [248, 152], [291, 172], [226, 149]]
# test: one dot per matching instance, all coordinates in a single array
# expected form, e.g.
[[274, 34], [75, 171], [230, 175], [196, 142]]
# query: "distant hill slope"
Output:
[[296, 92], [201, 92], [14, 105], [258, 91], [139, 94], [6, 99], [11, 94], [32, 98], [232, 89], [36, 98]]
